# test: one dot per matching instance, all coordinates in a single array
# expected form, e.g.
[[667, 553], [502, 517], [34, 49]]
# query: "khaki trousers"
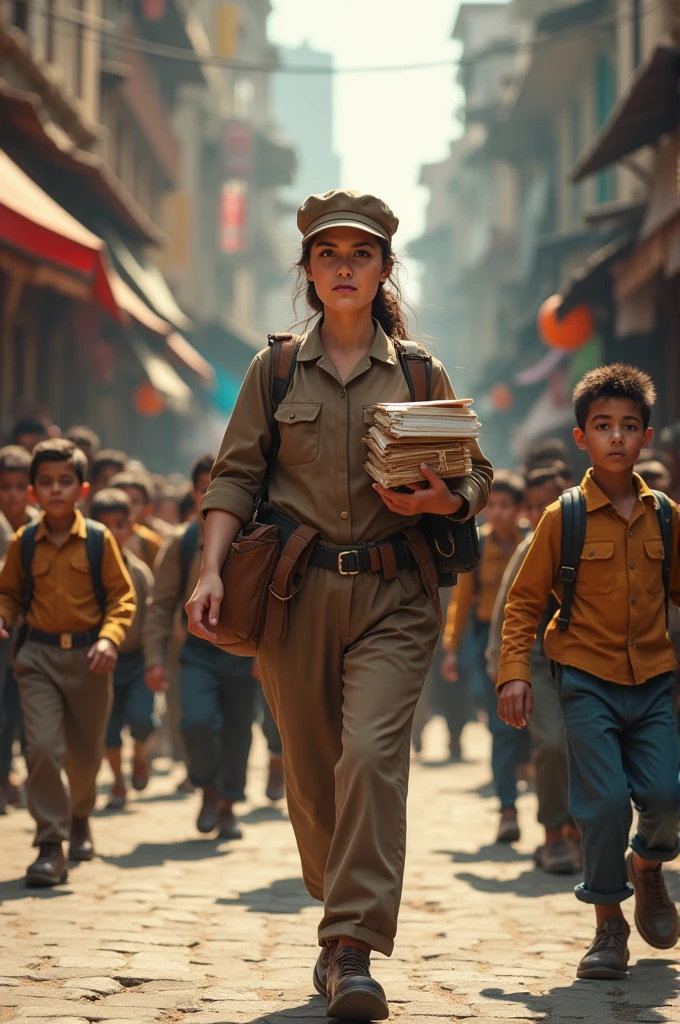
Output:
[[66, 709], [343, 686]]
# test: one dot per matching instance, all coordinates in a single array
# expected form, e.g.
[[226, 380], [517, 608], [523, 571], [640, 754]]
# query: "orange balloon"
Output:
[[568, 334], [501, 397], [148, 401]]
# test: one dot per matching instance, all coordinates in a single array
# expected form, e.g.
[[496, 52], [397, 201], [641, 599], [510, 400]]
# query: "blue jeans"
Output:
[[219, 698], [623, 747], [509, 747], [132, 702]]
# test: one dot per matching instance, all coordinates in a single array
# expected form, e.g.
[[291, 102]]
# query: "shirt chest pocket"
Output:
[[654, 555], [80, 577], [299, 425], [596, 571]]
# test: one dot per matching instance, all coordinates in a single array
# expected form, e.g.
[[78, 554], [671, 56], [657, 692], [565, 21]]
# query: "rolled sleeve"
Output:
[[241, 464], [458, 613], [473, 489], [528, 598]]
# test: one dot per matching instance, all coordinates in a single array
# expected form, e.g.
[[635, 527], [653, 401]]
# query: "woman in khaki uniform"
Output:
[[344, 681]]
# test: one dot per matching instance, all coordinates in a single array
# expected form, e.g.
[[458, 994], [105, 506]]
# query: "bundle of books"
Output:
[[404, 435]]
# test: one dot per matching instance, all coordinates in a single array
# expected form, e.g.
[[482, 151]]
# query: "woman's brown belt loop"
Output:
[[287, 580]]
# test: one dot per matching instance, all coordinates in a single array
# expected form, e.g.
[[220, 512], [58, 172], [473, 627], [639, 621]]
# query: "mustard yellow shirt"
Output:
[[64, 600], [618, 620], [478, 590]]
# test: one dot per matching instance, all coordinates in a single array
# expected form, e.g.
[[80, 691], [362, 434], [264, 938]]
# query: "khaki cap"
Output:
[[345, 208]]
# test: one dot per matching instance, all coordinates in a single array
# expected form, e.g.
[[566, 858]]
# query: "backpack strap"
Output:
[[285, 349], [573, 505], [416, 365], [187, 550], [94, 545], [664, 512], [27, 550]]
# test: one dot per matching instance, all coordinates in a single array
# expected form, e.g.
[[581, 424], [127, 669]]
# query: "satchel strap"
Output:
[[426, 567], [288, 577]]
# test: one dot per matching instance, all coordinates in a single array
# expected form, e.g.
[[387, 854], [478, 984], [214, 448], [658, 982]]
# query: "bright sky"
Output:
[[386, 125]]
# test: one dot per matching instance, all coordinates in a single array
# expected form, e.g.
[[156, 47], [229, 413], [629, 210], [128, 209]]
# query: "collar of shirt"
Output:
[[596, 498], [382, 347], [78, 527]]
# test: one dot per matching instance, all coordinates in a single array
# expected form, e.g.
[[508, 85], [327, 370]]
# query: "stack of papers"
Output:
[[405, 434]]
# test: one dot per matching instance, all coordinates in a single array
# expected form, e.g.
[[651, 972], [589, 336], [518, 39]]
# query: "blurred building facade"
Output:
[[138, 214], [517, 213]]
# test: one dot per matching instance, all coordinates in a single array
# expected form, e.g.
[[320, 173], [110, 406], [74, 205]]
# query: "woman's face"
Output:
[[346, 266]]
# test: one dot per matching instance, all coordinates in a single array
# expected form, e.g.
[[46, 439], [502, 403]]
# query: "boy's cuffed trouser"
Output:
[[343, 685], [133, 702], [549, 745], [218, 695], [623, 746], [66, 709]]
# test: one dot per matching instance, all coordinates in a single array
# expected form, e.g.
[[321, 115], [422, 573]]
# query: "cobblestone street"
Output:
[[166, 926]]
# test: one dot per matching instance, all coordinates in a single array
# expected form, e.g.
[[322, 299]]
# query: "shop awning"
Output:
[[160, 374], [649, 109], [184, 353], [144, 277], [592, 282], [36, 229]]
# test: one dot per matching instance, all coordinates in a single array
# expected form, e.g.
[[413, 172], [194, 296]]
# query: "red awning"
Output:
[[36, 228]]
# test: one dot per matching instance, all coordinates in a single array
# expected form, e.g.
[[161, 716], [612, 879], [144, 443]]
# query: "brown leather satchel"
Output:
[[258, 578]]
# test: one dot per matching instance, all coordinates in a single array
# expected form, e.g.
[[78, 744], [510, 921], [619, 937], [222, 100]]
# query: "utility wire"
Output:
[[109, 31]]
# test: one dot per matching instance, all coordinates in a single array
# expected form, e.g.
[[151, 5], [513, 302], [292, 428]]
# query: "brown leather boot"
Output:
[[81, 846], [608, 955], [656, 916], [49, 867], [209, 815], [320, 976], [276, 783], [228, 824], [352, 993]]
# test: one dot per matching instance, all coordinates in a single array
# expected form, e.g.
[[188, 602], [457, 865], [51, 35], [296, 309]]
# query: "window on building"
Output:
[[50, 31], [637, 32], [19, 11], [576, 142], [605, 97], [78, 41]]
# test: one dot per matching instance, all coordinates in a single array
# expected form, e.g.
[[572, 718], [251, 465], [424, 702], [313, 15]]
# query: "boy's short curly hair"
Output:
[[111, 499], [201, 466], [15, 459], [506, 482], [617, 380], [58, 449]]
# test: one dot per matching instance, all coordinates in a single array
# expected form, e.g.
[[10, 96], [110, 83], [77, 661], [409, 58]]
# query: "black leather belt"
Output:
[[67, 641], [348, 561]]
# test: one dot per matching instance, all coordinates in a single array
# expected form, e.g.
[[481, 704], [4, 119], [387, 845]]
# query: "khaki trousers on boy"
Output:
[[343, 686], [66, 708]]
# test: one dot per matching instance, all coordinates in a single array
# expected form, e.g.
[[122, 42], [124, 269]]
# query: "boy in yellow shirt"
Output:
[[614, 663]]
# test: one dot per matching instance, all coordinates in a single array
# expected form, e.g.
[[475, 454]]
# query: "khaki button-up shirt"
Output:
[[618, 618], [319, 477], [64, 600], [478, 590], [169, 594]]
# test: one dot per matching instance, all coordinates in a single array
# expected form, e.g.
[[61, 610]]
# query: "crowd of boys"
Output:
[[572, 666]]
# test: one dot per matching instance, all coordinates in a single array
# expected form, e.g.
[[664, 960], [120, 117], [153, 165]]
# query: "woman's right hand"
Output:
[[208, 597]]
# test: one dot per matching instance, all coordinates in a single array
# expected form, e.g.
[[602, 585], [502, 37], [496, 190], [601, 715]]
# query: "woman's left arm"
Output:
[[459, 499]]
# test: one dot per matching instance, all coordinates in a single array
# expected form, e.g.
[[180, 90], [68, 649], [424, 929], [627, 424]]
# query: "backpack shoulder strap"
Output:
[[27, 550], [416, 365], [573, 506], [94, 545], [664, 512], [187, 550], [285, 349]]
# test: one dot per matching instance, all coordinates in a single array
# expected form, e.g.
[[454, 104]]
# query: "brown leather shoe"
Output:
[[81, 846], [508, 830], [276, 783], [320, 976], [555, 858], [228, 824], [49, 867], [352, 993], [209, 815], [608, 955], [656, 916]]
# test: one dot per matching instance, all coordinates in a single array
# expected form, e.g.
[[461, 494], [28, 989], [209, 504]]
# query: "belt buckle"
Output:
[[342, 571], [66, 641]]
